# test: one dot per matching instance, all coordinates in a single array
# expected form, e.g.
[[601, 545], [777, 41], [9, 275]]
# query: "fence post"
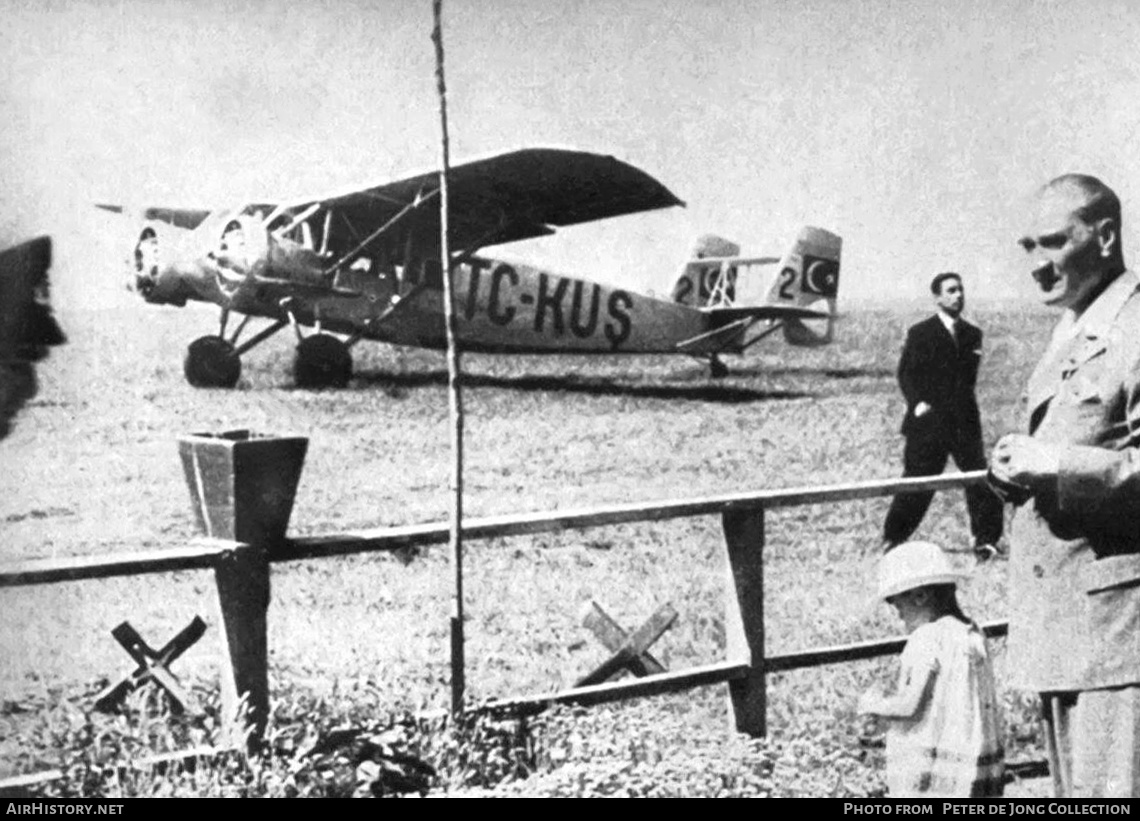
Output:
[[242, 487], [744, 618], [242, 577]]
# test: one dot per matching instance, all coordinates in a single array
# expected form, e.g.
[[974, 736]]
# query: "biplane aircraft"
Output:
[[365, 264]]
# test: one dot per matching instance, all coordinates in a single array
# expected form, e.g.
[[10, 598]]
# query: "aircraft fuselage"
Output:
[[507, 306], [501, 306]]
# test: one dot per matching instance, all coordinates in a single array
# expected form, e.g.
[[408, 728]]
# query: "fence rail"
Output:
[[715, 674], [242, 577], [204, 553]]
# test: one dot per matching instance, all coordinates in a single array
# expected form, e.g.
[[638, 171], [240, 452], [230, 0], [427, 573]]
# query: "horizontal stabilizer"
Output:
[[765, 312], [717, 339]]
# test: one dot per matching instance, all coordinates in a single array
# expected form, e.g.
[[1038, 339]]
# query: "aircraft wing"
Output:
[[189, 218], [506, 198], [513, 196]]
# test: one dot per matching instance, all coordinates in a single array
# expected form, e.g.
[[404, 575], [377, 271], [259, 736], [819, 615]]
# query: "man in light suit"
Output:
[[1074, 584], [937, 374]]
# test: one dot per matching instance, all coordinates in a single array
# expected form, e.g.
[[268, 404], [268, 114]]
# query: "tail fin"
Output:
[[717, 276], [808, 277], [804, 281]]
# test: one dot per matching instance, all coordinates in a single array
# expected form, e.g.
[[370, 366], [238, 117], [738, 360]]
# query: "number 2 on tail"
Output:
[[787, 280]]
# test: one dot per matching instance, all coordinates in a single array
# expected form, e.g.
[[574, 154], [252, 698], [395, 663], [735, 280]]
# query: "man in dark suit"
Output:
[[937, 374]]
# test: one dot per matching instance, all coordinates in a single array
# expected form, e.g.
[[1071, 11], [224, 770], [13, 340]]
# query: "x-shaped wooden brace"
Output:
[[153, 666], [630, 651]]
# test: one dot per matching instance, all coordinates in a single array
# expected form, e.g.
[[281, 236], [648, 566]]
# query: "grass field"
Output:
[[91, 467]]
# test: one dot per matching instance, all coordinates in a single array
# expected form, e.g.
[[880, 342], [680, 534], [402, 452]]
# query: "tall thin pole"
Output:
[[455, 399]]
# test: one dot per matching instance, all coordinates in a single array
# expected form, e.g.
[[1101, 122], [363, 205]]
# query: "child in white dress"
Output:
[[944, 730]]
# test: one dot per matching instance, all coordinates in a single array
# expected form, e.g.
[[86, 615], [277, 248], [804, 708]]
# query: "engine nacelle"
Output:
[[151, 267], [242, 245], [245, 246], [238, 250], [227, 260]]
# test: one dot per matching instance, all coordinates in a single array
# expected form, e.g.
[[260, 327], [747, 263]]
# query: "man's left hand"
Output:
[[1023, 460]]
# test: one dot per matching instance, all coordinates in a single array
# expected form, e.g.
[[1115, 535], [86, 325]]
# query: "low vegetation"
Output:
[[360, 644]]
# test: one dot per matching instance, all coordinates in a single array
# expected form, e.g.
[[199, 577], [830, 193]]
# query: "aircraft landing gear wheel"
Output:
[[717, 369], [211, 362], [323, 361]]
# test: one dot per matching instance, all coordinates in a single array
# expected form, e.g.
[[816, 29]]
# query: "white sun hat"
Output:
[[915, 564]]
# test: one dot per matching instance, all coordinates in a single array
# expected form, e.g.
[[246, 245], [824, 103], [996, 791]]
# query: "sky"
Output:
[[916, 130]]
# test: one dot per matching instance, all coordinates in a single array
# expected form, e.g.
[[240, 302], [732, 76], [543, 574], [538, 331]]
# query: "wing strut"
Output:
[[325, 234], [357, 252], [274, 214], [297, 220]]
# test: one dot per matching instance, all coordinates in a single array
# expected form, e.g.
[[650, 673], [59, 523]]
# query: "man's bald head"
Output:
[[1091, 199]]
